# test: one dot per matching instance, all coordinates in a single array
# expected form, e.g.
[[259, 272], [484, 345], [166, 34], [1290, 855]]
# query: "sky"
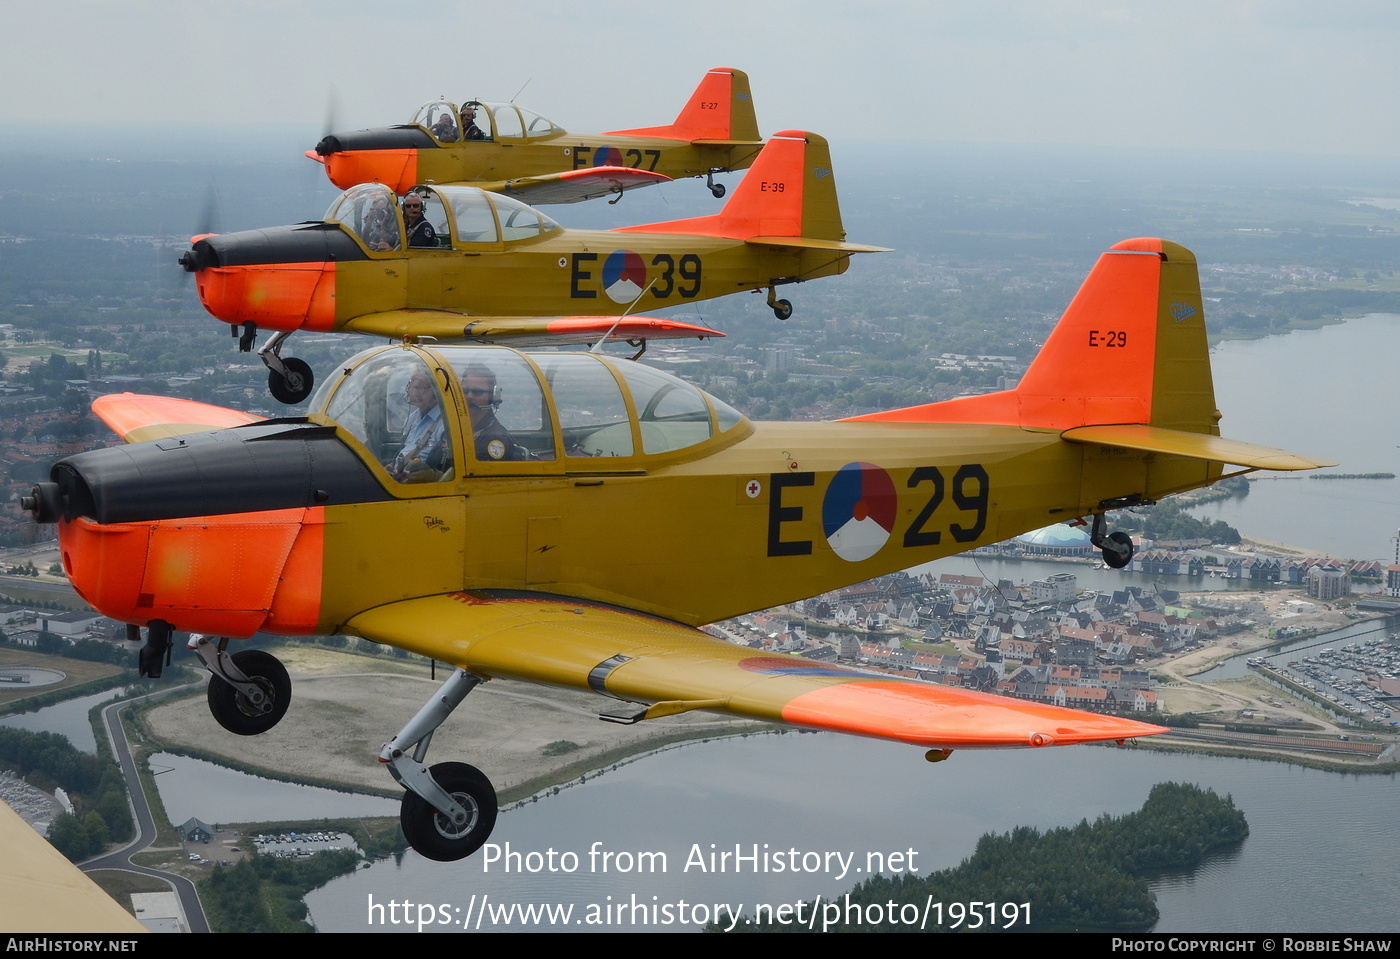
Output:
[[1293, 76]]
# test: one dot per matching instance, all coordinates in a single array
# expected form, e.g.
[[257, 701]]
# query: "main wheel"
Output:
[[1120, 553], [782, 309], [717, 190], [435, 836], [295, 386], [235, 712]]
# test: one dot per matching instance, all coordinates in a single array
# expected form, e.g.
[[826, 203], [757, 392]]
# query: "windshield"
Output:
[[393, 404], [439, 118], [370, 212]]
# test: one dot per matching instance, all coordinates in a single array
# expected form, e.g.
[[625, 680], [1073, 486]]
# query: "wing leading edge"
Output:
[[136, 417], [674, 668]]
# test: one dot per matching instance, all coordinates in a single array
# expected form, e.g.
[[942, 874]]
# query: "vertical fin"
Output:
[[721, 108], [790, 191], [1130, 348]]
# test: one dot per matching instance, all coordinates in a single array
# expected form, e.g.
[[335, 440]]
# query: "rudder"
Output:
[[789, 192], [721, 108], [1130, 348]]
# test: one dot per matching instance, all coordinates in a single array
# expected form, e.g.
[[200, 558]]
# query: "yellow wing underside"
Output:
[[40, 891], [631, 656]]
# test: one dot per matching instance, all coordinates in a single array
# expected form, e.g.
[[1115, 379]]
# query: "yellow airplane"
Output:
[[458, 263], [508, 149], [570, 519]]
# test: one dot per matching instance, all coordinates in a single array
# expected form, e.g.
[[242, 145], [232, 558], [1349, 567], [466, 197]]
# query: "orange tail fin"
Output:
[[789, 191], [1131, 348], [721, 108]]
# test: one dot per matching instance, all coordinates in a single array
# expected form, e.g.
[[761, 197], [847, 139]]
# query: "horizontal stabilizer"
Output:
[[1198, 446], [136, 418], [524, 330], [813, 243], [574, 186]]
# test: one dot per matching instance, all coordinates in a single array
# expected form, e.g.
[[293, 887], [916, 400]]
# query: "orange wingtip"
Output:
[[948, 717], [630, 327], [313, 155], [127, 413]]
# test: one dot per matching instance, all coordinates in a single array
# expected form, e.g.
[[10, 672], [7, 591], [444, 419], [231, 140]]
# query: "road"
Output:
[[145, 822]]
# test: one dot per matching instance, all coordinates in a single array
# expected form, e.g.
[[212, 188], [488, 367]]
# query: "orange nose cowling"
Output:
[[396, 169], [276, 296], [230, 575]]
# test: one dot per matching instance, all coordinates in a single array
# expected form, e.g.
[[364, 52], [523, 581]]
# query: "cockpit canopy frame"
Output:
[[429, 416], [463, 217]]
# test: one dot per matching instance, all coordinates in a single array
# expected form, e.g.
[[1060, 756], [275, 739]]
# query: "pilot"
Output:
[[420, 231], [426, 454], [445, 129], [493, 441], [470, 131]]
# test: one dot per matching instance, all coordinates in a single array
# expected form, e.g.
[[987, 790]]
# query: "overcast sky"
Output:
[[1291, 75]]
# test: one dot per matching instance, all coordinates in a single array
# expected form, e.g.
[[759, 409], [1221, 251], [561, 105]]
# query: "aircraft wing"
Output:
[[1197, 446], [672, 668], [41, 892], [136, 418], [573, 186], [524, 330]]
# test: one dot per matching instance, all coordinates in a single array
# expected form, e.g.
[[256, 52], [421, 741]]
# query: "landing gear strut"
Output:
[[716, 189], [450, 809], [250, 691], [288, 380], [1116, 547], [782, 309]]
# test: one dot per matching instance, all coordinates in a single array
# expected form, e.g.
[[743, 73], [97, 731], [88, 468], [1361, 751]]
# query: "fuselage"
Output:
[[508, 143], [611, 482], [493, 256]]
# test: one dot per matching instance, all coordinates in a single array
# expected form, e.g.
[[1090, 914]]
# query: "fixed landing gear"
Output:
[[1116, 547], [288, 380], [782, 309], [716, 189], [449, 810], [250, 691], [439, 837]]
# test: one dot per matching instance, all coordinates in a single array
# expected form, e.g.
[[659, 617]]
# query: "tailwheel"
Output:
[[782, 309], [717, 190], [1117, 549], [434, 835], [248, 713], [294, 385]]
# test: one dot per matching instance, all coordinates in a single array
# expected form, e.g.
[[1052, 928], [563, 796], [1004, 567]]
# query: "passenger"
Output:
[[493, 441], [381, 230], [470, 131], [445, 129], [420, 231], [427, 447]]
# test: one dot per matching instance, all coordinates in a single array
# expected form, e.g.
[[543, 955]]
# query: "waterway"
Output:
[[69, 718], [1312, 862], [1329, 393]]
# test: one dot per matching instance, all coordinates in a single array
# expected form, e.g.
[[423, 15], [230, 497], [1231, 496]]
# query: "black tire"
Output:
[[1117, 558], [718, 190], [231, 708], [295, 386], [433, 835], [782, 309]]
